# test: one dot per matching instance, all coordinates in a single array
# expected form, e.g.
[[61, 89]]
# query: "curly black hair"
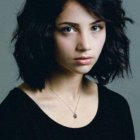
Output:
[[34, 45]]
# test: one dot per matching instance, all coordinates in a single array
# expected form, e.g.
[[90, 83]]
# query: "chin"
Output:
[[78, 69], [83, 70]]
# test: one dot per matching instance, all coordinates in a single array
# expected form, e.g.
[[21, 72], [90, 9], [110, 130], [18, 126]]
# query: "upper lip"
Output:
[[83, 57]]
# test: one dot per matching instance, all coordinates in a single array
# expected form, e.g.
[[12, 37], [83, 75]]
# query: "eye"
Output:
[[67, 29], [96, 28]]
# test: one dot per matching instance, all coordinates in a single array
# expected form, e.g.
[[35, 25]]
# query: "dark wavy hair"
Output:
[[34, 45]]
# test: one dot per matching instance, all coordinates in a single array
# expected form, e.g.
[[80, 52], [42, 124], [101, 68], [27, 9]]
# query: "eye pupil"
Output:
[[68, 29], [95, 28]]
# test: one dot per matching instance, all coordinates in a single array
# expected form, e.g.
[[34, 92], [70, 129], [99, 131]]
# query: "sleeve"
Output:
[[127, 122]]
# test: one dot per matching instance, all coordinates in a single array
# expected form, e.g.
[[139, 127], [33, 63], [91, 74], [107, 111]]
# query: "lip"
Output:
[[83, 57], [84, 60]]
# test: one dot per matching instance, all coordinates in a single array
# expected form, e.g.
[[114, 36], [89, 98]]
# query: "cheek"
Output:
[[63, 43], [64, 48], [100, 41]]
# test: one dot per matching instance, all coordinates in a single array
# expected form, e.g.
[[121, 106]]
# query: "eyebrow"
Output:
[[76, 24]]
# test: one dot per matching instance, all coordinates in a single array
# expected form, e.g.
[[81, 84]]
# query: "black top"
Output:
[[22, 119]]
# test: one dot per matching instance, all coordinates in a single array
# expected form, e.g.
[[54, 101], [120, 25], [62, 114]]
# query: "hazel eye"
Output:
[[96, 28]]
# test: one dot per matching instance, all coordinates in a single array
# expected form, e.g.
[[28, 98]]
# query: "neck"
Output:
[[66, 86]]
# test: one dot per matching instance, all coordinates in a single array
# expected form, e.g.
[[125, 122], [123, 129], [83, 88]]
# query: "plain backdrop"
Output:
[[129, 87]]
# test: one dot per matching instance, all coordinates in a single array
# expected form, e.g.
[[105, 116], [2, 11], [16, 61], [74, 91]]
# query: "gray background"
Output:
[[129, 87]]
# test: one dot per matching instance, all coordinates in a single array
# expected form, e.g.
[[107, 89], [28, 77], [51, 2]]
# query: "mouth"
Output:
[[83, 60]]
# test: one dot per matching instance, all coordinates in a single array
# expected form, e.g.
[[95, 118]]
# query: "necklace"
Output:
[[74, 112]]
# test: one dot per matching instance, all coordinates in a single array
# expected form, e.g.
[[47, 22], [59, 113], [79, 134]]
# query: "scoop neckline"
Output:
[[53, 122]]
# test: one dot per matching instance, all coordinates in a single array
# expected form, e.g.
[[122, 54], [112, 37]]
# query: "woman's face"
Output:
[[79, 38]]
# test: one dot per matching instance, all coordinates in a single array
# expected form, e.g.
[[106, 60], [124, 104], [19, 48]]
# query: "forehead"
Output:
[[74, 11]]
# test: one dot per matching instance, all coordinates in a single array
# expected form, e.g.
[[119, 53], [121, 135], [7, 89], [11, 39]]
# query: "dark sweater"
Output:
[[22, 119]]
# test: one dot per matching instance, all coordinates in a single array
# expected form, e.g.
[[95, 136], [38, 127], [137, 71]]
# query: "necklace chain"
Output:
[[74, 112]]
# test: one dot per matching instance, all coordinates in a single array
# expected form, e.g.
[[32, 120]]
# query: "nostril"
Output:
[[83, 48], [83, 42]]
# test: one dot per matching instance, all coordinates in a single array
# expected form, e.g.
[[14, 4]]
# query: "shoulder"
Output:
[[11, 99], [14, 104], [16, 110], [110, 94], [11, 113], [113, 99], [109, 97], [115, 105], [106, 94]]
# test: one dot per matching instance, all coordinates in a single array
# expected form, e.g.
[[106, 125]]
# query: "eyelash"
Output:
[[98, 26], [65, 29]]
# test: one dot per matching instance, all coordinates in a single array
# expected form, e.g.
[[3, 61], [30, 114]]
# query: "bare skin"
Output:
[[85, 39], [57, 111]]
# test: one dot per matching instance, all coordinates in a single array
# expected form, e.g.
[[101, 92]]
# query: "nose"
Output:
[[83, 42]]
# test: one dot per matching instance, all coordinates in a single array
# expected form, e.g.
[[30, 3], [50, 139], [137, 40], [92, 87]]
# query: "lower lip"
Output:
[[83, 61]]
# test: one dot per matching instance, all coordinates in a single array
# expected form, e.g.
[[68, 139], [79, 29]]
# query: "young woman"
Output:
[[66, 51]]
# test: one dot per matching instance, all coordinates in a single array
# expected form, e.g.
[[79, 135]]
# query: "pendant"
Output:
[[74, 115]]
